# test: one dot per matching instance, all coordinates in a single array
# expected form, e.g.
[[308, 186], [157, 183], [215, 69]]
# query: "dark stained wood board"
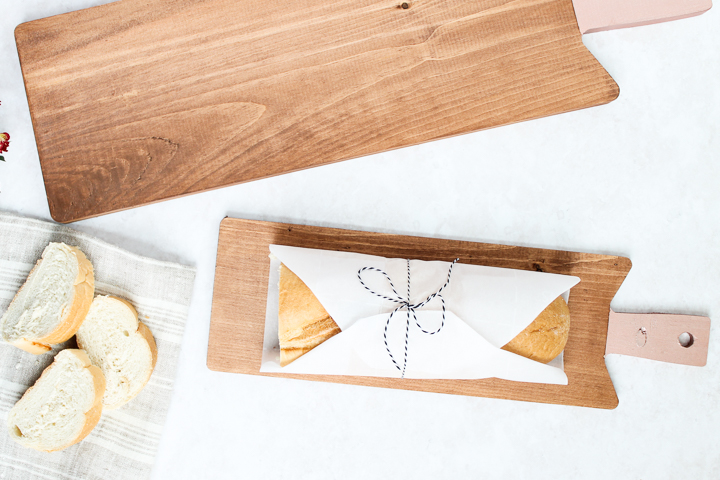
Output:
[[240, 296], [139, 101]]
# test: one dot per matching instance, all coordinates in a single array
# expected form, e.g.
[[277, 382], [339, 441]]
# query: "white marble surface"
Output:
[[638, 177]]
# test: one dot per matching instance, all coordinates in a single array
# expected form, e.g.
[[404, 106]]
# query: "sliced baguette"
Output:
[[120, 345], [62, 407], [50, 306]]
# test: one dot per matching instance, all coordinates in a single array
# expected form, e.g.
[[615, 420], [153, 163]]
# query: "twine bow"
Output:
[[410, 307]]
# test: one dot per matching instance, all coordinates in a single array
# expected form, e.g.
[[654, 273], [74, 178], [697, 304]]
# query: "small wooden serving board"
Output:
[[240, 296], [139, 101]]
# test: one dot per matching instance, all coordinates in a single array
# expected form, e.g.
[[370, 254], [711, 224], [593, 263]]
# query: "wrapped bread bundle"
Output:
[[304, 324], [340, 313]]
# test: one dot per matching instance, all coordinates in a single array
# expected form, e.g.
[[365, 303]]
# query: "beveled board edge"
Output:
[[240, 294]]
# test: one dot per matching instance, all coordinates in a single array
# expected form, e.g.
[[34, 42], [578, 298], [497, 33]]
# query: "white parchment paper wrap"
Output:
[[486, 308]]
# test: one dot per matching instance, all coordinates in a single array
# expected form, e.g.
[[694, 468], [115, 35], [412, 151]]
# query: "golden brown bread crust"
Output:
[[31, 347], [289, 355], [546, 336], [313, 334], [299, 308], [145, 332], [303, 323], [75, 314]]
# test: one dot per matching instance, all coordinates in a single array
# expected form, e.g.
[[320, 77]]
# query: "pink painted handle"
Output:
[[668, 338], [599, 15]]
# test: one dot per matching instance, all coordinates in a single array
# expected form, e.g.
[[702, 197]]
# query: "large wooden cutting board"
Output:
[[240, 296], [143, 100]]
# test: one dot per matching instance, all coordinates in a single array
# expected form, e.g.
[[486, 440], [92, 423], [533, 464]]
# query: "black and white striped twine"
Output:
[[410, 307]]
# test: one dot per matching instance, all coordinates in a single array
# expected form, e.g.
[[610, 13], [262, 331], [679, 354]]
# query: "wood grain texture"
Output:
[[143, 100], [240, 296]]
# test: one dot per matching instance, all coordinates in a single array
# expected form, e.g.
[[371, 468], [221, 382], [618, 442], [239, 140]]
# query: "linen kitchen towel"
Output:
[[124, 443]]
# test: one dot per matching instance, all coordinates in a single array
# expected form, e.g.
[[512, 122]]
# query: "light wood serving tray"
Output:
[[138, 101], [240, 296]]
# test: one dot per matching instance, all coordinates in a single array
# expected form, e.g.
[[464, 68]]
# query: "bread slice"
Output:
[[303, 323], [53, 302], [546, 336], [120, 345], [62, 407]]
